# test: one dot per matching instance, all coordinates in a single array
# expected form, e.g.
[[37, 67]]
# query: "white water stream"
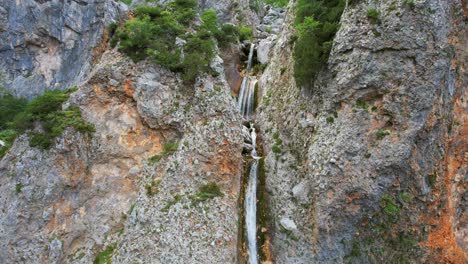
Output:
[[246, 103]]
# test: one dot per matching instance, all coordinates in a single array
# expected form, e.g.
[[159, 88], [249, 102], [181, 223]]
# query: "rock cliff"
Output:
[[366, 165]]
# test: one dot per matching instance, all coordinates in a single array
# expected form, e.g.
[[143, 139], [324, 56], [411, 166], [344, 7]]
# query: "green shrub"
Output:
[[330, 120], [210, 21], [104, 257], [169, 204], [389, 206], [276, 149], [46, 109], [277, 3], [152, 33], [373, 15], [245, 33], [406, 197], [409, 3], [207, 191], [167, 149], [19, 187], [316, 21], [127, 2], [10, 106], [50, 101], [8, 137], [381, 133], [362, 104]]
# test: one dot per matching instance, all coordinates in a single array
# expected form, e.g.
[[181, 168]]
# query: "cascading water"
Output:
[[247, 91], [246, 106]]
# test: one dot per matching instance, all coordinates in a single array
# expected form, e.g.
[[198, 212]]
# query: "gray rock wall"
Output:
[[49, 44], [334, 165]]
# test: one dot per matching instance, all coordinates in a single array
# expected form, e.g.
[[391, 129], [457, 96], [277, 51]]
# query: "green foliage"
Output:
[[127, 2], [316, 21], [276, 149], [167, 149], [46, 109], [362, 104], [245, 33], [152, 34], [112, 28], [431, 180], [104, 257], [10, 106], [409, 3], [406, 197], [228, 34], [207, 191], [19, 187], [330, 120], [56, 122], [169, 204], [373, 15], [389, 206], [381, 133], [152, 187], [8, 137], [278, 142], [277, 3], [210, 21], [50, 101]]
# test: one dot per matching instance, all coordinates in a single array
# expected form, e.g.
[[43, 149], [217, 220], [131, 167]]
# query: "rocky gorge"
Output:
[[216, 150]]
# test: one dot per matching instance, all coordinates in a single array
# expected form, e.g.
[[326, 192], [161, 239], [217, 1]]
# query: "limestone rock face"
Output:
[[377, 126], [86, 194], [49, 44], [371, 156]]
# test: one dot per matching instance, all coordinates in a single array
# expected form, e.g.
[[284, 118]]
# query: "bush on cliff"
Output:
[[153, 31], [316, 22], [46, 110]]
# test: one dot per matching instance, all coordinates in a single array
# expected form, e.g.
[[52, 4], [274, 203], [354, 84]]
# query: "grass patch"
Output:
[[406, 197], [169, 204], [373, 15], [127, 2], [152, 188], [277, 3], [381, 133], [206, 192], [330, 120], [8, 136], [276, 148], [362, 104], [409, 3], [105, 256], [167, 149], [19, 187]]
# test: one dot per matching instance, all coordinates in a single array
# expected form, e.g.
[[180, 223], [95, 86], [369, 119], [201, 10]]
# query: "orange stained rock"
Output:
[[441, 241]]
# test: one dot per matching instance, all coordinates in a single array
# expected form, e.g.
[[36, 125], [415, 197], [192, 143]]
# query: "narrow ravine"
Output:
[[246, 103]]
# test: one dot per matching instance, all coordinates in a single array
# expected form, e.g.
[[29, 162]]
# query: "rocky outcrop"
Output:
[[86, 195], [343, 153], [49, 44]]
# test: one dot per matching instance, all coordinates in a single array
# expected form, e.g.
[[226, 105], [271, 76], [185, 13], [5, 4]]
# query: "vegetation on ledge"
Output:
[[167, 36], [19, 116], [316, 22]]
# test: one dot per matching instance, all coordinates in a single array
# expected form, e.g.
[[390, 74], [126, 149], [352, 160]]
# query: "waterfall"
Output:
[[246, 102], [251, 213], [247, 92]]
